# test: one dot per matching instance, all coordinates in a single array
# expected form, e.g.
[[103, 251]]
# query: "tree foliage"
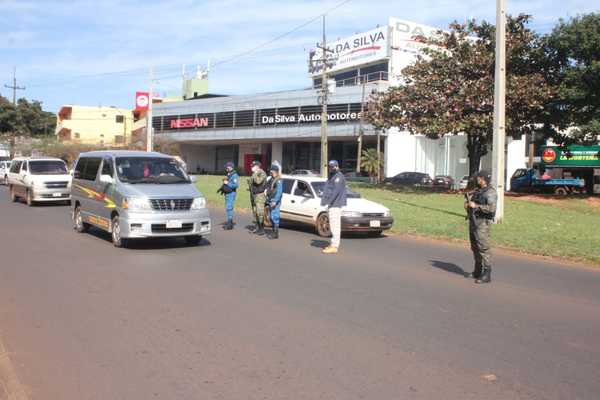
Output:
[[450, 88], [573, 51], [25, 118], [371, 162]]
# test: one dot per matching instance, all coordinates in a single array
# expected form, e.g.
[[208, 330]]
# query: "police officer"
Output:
[[334, 197], [481, 208], [274, 193], [232, 182], [258, 188]]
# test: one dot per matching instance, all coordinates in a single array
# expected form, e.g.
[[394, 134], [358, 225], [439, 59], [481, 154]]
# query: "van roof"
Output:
[[37, 159], [123, 153]]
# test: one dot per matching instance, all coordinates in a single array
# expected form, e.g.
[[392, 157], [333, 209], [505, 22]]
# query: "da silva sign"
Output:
[[573, 156], [308, 118], [355, 50]]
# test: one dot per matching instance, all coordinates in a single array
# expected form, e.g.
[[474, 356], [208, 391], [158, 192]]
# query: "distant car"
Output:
[[4, 168], [463, 183], [414, 179], [305, 172], [301, 202], [356, 177], [37, 179], [443, 182]]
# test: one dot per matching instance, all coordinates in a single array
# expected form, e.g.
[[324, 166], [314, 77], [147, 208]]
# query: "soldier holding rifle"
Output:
[[257, 184]]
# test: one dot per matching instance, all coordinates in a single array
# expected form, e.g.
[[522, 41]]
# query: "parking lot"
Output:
[[240, 317]]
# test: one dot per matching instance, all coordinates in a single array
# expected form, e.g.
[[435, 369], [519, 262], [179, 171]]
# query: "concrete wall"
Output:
[[199, 157], [515, 157]]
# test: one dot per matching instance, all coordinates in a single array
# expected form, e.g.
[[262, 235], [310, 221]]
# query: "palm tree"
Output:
[[371, 162]]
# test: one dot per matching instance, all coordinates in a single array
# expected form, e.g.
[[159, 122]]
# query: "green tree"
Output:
[[450, 88], [573, 49], [371, 162]]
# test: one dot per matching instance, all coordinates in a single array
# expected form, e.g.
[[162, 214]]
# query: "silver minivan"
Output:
[[136, 194]]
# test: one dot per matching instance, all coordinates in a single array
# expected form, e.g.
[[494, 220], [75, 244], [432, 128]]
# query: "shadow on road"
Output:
[[150, 243], [448, 267], [321, 244]]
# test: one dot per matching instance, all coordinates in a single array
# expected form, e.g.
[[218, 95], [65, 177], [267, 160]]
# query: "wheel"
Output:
[[323, 225], [78, 223], [117, 240], [561, 191], [193, 240], [13, 196], [29, 198]]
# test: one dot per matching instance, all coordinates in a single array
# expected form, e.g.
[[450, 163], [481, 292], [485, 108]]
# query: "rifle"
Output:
[[470, 212], [252, 200]]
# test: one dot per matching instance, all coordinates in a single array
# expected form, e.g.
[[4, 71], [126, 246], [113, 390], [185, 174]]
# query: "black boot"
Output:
[[486, 276], [476, 274], [228, 226], [260, 231], [275, 233]]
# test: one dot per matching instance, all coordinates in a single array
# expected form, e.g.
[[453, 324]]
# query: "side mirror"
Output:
[[193, 178], [106, 179]]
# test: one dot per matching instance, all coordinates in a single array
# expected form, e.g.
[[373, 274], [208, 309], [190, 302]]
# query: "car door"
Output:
[[105, 199], [303, 203], [20, 187], [286, 198], [13, 173]]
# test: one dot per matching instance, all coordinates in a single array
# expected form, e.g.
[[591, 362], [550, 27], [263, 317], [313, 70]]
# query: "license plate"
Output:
[[375, 224], [174, 224], [56, 194]]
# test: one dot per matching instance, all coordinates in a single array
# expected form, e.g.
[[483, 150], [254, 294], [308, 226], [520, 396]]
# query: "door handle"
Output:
[[293, 201]]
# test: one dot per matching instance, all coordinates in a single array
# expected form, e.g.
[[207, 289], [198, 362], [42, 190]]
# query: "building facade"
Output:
[[99, 126], [285, 126]]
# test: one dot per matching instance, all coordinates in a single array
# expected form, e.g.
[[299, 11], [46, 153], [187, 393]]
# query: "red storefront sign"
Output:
[[187, 123]]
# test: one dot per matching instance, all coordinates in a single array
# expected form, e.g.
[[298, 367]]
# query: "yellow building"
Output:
[[102, 126]]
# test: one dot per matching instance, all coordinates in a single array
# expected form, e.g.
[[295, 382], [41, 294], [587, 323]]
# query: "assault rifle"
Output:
[[252, 199], [470, 211]]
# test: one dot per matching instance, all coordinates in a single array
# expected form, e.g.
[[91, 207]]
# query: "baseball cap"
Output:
[[333, 163]]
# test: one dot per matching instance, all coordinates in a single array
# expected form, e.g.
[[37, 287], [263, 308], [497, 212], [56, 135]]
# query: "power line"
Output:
[[14, 86]]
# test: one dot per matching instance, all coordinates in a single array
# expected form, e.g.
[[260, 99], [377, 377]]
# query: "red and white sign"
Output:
[[189, 123], [142, 100]]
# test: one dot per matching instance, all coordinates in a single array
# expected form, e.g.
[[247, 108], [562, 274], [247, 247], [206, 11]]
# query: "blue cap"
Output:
[[333, 163], [274, 167], [229, 164]]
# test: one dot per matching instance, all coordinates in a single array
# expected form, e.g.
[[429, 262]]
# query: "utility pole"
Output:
[[149, 127], [361, 125], [14, 86], [531, 149], [324, 88], [498, 154]]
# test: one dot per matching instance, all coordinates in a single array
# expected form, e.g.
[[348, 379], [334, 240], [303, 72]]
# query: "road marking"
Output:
[[10, 386]]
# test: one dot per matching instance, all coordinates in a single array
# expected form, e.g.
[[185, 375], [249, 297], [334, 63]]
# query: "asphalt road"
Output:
[[248, 318]]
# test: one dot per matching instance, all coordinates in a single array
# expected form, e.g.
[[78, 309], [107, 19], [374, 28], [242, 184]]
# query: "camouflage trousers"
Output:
[[479, 235], [259, 207]]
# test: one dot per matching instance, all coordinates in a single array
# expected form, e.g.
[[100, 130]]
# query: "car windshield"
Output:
[[318, 187], [47, 167], [157, 170]]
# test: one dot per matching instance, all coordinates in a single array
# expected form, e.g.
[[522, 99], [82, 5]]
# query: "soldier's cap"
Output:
[[485, 174], [274, 167], [333, 163], [256, 163], [229, 164]]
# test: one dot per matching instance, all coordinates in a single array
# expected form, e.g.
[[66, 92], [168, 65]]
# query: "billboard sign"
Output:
[[142, 100], [352, 51], [405, 41], [572, 156]]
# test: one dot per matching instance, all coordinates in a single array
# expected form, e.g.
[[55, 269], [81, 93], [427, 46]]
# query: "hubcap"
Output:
[[116, 232]]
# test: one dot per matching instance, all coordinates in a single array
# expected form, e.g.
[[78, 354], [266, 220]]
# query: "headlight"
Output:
[[137, 204], [351, 214], [198, 203], [388, 213]]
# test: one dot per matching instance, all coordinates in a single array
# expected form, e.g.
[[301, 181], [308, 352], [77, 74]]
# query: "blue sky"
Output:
[[73, 52]]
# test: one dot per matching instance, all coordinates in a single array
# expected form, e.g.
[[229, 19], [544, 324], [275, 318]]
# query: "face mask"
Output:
[[255, 168]]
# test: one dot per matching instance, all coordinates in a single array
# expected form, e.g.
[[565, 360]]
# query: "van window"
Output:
[[24, 167], [79, 168], [107, 168], [15, 167], [91, 169], [49, 167]]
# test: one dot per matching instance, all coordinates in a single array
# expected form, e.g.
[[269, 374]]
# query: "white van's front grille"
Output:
[[171, 204], [56, 185]]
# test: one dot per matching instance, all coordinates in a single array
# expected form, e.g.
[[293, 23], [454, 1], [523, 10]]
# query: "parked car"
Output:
[[464, 182], [4, 168], [301, 202], [39, 180], [135, 194], [415, 179], [357, 177], [305, 172], [443, 182]]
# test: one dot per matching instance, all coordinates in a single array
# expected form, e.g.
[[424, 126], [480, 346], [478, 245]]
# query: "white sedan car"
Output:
[[301, 202]]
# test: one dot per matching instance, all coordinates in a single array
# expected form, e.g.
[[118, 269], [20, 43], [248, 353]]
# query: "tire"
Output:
[[193, 240], [117, 240], [13, 196], [322, 226], [561, 191], [29, 198], [78, 223]]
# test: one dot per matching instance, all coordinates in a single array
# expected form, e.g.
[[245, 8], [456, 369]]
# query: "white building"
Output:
[[285, 125]]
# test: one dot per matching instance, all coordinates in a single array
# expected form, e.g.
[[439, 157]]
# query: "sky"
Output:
[[100, 52]]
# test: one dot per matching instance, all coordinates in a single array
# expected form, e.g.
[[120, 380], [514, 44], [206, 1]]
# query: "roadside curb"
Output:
[[10, 386]]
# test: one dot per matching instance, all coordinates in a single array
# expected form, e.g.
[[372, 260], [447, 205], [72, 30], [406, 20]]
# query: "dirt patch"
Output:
[[594, 202], [10, 386]]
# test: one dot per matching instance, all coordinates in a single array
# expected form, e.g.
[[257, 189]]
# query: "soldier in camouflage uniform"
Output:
[[481, 208], [258, 187]]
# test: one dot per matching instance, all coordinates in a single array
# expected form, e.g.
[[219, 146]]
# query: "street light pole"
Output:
[[324, 88], [149, 128], [498, 155]]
